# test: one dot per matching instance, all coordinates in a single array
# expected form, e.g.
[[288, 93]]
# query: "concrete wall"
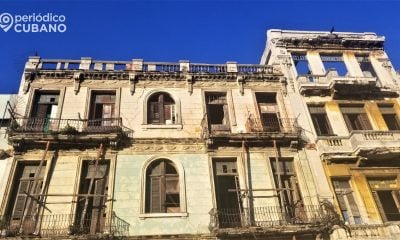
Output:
[[128, 195]]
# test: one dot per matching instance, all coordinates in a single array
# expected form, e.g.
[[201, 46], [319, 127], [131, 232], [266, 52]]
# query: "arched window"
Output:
[[161, 109], [162, 187]]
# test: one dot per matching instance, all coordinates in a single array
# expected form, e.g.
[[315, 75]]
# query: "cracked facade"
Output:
[[300, 146]]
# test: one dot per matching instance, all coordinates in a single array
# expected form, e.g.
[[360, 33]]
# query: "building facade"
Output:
[[344, 90], [208, 151]]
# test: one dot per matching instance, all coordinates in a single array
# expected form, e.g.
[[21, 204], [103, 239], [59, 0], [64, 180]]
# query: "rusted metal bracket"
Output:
[[78, 77], [132, 82], [189, 83], [240, 81]]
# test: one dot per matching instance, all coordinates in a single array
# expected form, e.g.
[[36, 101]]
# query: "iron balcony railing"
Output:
[[270, 216], [68, 126], [253, 125], [272, 125], [63, 225]]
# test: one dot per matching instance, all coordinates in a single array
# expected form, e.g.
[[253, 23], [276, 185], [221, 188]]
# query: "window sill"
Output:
[[161, 126], [162, 215]]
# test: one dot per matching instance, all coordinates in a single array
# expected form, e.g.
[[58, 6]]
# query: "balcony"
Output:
[[67, 130], [272, 219], [273, 127], [63, 225], [331, 82], [257, 130], [366, 143], [330, 145], [373, 144]]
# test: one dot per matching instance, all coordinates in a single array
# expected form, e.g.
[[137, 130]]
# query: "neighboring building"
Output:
[[7, 101], [344, 90]]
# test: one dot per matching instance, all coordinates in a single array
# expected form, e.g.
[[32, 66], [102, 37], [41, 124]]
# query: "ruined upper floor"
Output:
[[331, 63]]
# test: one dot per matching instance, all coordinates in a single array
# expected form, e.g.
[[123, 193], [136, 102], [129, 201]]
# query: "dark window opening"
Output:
[[24, 211], [229, 203], [91, 212], [355, 117], [387, 197], [162, 188], [334, 64], [392, 121], [269, 111], [102, 109], [301, 63], [44, 111], [217, 111], [388, 204], [320, 120], [366, 66], [346, 201], [161, 109], [289, 197], [389, 116]]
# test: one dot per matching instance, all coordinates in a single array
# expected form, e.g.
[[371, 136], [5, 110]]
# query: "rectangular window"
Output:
[[226, 181], [365, 65], [102, 109], [22, 208], [387, 197], [91, 211], [390, 116], [289, 193], [44, 111], [269, 111], [333, 63], [355, 117], [301, 63], [320, 120], [217, 111], [346, 201]]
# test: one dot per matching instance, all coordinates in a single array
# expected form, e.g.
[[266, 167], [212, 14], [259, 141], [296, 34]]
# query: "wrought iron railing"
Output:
[[270, 216], [68, 126], [63, 225], [272, 125]]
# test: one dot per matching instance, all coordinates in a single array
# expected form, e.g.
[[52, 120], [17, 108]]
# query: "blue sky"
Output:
[[199, 31]]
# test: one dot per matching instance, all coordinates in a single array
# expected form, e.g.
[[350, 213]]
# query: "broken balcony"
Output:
[[67, 130], [331, 82], [63, 225], [271, 219], [257, 130]]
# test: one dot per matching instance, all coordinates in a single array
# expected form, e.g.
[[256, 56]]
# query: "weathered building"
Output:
[[122, 148], [302, 146], [344, 91]]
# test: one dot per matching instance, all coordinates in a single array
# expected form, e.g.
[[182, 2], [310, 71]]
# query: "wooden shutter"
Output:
[[226, 117], [168, 112], [379, 205], [156, 198], [364, 122], [154, 116], [353, 205], [41, 111], [348, 122], [172, 184], [98, 208], [19, 206], [341, 201]]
